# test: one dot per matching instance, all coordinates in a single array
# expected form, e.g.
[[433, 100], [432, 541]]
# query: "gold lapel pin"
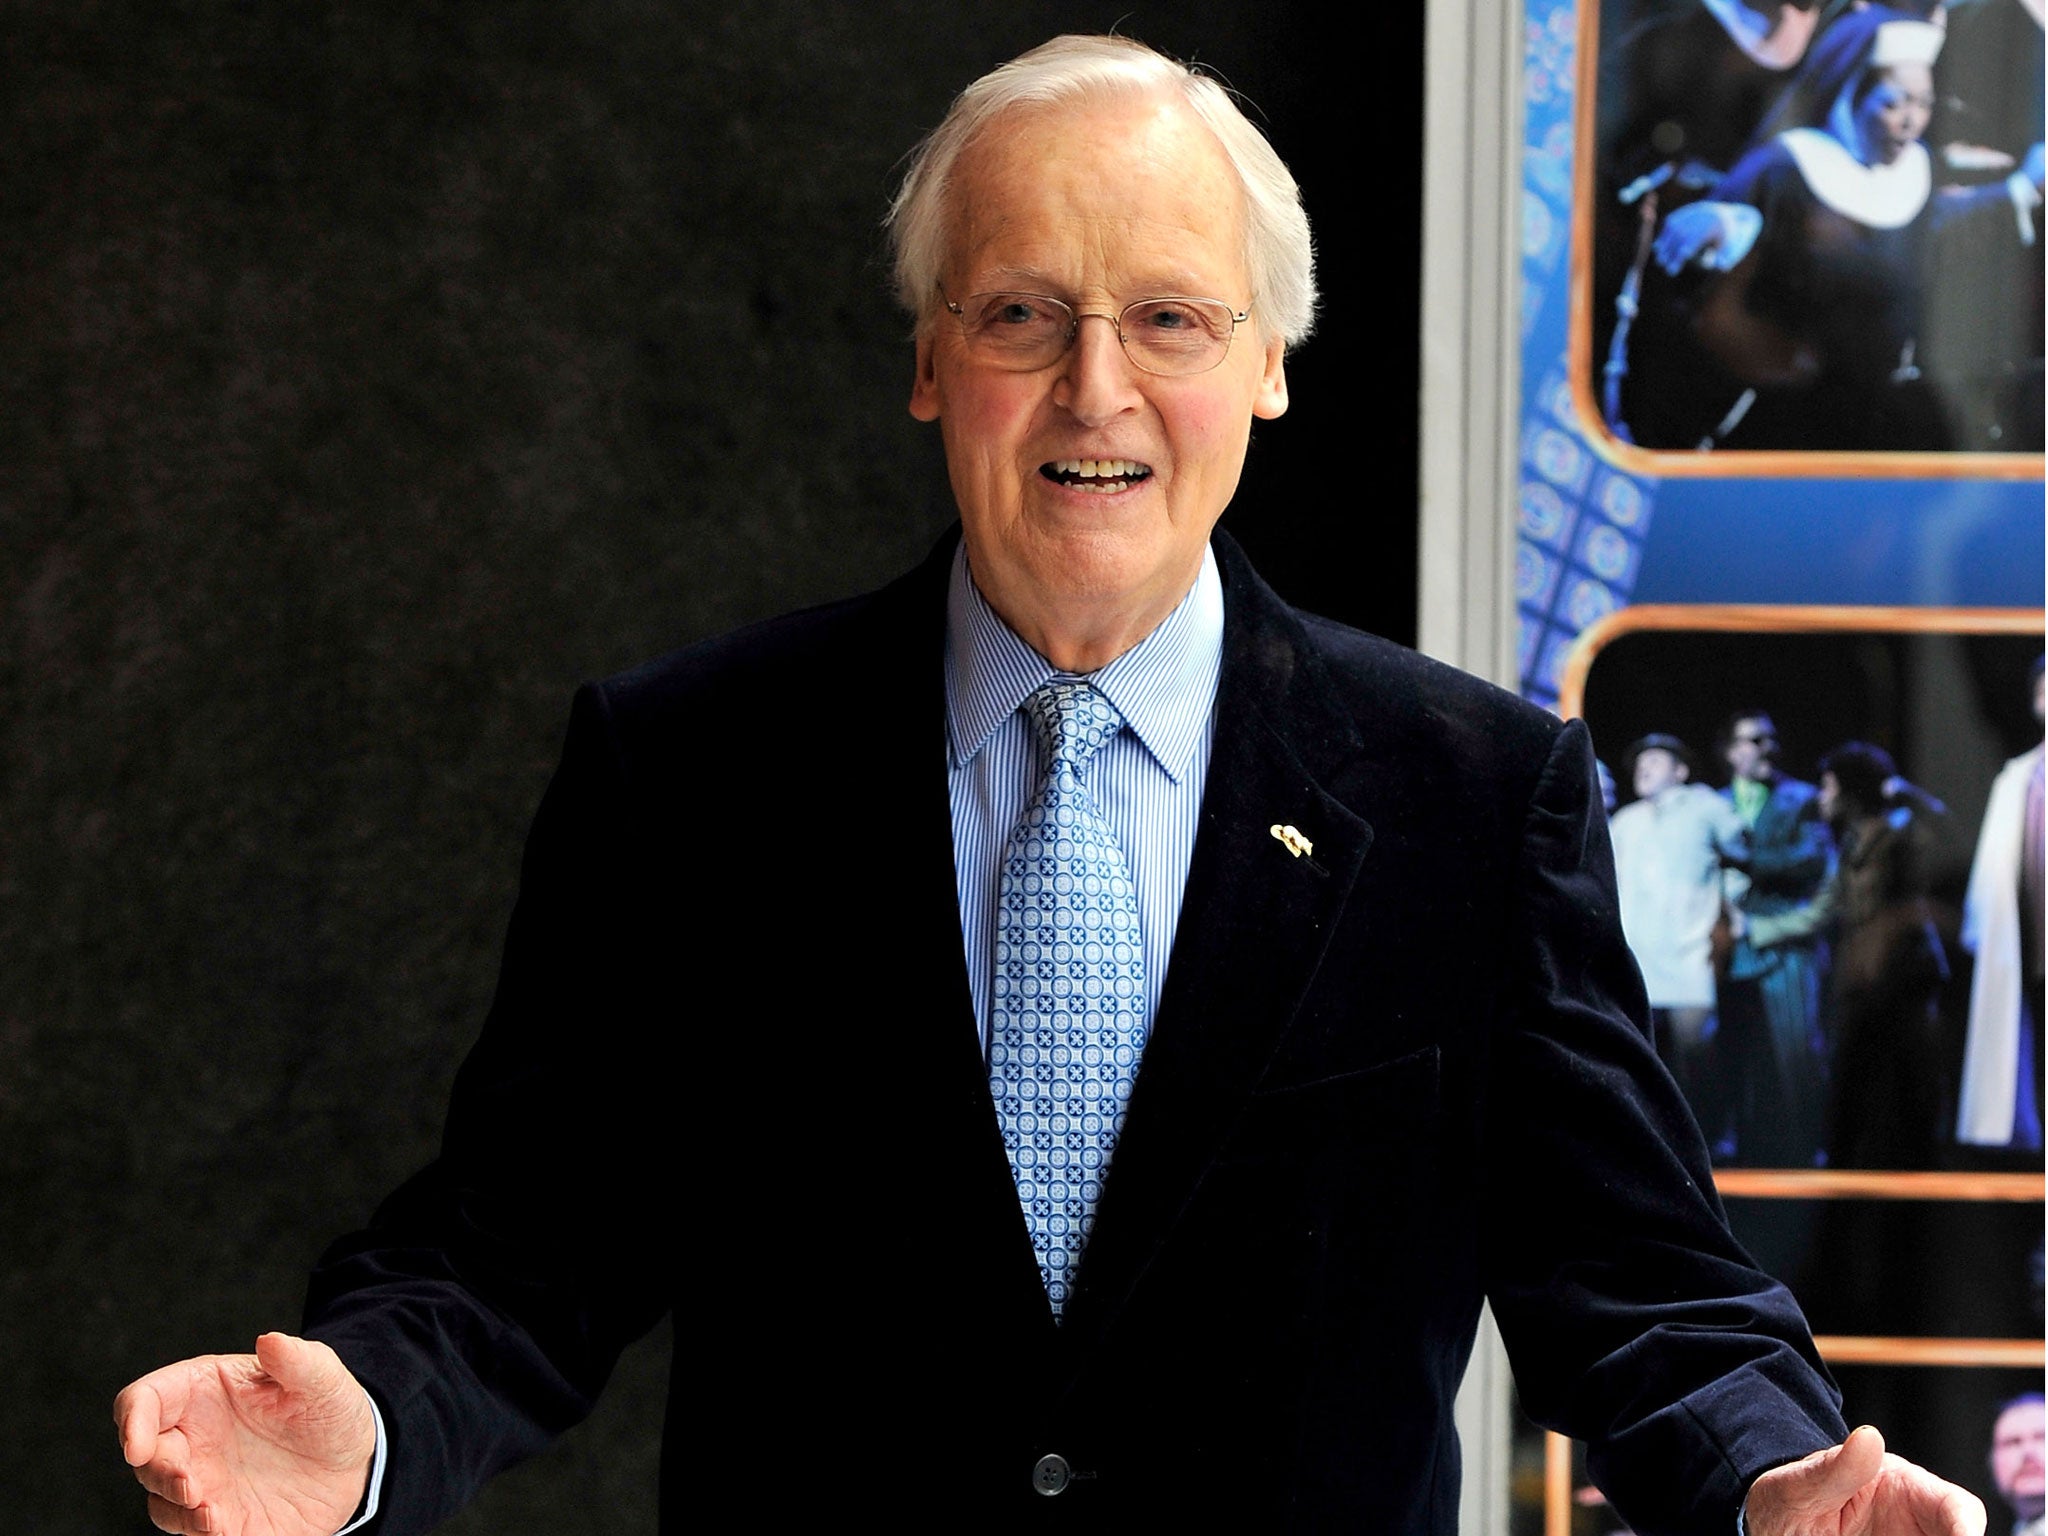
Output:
[[1292, 840]]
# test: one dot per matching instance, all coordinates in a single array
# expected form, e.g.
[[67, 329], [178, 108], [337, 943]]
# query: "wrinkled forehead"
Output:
[[1125, 177]]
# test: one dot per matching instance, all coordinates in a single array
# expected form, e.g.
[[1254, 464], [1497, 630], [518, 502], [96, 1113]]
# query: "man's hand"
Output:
[[1856, 1488], [277, 1443]]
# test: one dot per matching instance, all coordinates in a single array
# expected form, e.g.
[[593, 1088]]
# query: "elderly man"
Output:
[[971, 1208]]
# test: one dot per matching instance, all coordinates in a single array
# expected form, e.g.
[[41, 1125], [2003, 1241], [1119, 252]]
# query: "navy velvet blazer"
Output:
[[731, 1070]]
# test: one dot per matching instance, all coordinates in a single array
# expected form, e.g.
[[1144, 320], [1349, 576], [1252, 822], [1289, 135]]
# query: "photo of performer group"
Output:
[[1842, 970], [1816, 225]]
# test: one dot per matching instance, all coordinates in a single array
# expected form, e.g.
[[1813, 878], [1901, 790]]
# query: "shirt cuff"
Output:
[[368, 1511]]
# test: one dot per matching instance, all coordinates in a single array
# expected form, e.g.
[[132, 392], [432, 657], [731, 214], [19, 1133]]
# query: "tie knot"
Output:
[[1073, 720]]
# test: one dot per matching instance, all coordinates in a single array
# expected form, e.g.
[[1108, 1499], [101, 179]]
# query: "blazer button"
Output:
[[1051, 1475]]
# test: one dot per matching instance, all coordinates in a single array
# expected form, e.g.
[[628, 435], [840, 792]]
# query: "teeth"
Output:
[[1101, 469]]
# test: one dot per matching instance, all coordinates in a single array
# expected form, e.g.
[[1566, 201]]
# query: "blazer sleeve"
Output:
[[1633, 1318], [488, 1300]]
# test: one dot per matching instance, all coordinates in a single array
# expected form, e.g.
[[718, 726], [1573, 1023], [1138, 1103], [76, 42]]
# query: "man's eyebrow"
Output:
[[1009, 279], [1018, 279]]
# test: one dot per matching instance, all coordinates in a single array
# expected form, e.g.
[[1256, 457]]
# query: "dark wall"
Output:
[[369, 374]]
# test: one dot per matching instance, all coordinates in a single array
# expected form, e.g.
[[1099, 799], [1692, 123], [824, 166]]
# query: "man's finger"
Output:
[[135, 1421], [166, 1481], [166, 1516], [1957, 1511], [146, 1407]]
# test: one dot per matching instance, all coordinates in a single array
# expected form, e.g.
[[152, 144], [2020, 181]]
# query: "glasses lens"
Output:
[[1177, 335], [1016, 330], [1028, 331]]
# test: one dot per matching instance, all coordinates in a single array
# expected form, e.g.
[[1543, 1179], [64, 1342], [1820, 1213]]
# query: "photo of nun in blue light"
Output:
[[1789, 308]]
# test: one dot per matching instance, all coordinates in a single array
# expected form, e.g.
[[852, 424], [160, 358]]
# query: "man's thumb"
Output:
[[1830, 1478], [300, 1366]]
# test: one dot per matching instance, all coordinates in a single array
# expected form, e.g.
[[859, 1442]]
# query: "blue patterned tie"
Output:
[[1069, 987]]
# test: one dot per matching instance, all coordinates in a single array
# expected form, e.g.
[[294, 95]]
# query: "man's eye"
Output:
[[1167, 317], [1178, 320], [1014, 312]]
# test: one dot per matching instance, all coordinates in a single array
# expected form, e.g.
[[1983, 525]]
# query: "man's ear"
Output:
[[924, 386], [1271, 399]]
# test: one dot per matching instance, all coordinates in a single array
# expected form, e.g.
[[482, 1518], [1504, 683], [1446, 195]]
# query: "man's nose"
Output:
[[1097, 380]]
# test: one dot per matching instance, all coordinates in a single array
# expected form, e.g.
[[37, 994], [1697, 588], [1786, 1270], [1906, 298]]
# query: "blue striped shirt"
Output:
[[1146, 783]]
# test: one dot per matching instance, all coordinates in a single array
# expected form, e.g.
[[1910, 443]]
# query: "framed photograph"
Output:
[[1818, 824], [1809, 236]]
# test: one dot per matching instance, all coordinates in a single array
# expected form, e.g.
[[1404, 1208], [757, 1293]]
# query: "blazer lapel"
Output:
[[981, 1238], [1253, 926]]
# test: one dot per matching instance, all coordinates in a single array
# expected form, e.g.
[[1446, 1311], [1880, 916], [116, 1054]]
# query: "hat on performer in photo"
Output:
[[1660, 741]]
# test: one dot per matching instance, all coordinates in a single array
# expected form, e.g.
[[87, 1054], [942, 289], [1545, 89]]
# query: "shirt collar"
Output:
[[1164, 686], [1749, 796]]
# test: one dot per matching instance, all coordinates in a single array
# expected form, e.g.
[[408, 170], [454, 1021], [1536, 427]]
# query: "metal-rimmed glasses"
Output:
[[1023, 332]]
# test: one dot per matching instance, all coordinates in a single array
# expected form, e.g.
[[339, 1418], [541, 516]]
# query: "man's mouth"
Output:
[[1099, 476]]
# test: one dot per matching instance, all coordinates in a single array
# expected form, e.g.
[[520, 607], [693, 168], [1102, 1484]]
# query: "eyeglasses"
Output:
[[1023, 332]]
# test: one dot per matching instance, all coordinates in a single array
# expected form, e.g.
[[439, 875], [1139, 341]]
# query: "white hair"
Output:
[[1279, 255]]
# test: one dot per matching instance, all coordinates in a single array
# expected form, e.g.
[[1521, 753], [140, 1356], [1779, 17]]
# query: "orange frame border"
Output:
[[1683, 464], [1777, 618]]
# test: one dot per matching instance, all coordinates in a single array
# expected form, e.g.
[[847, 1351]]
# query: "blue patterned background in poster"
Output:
[[1595, 537]]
